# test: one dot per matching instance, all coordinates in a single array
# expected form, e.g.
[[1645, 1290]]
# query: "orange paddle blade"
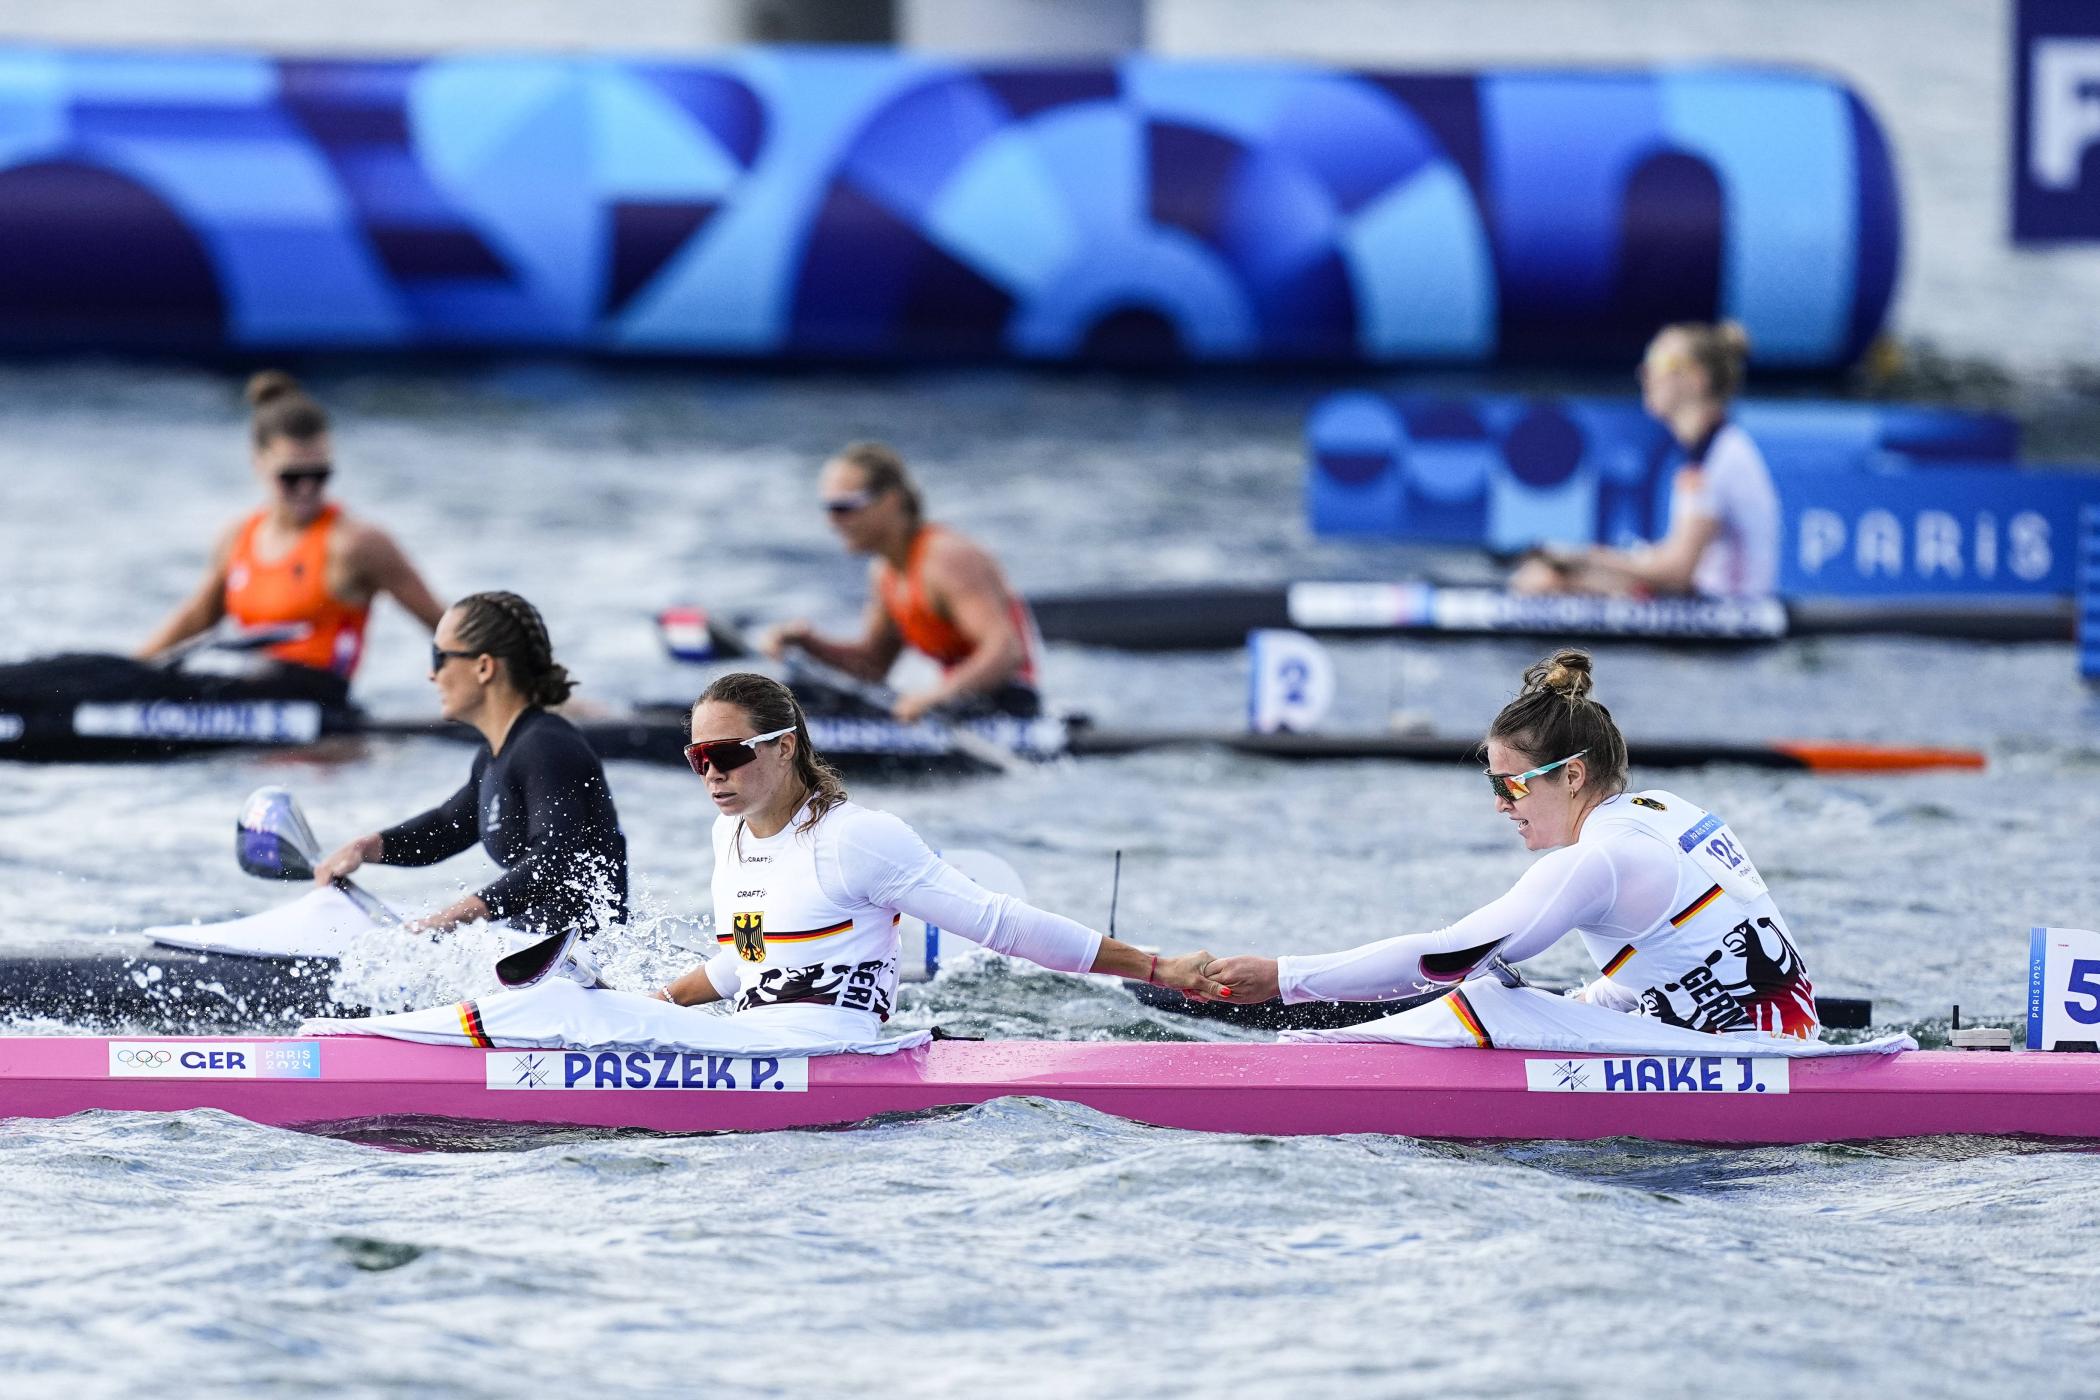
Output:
[[1836, 756]]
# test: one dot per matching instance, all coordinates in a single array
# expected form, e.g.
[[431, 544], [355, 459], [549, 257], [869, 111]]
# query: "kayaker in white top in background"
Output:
[[1723, 540], [808, 885], [1662, 893]]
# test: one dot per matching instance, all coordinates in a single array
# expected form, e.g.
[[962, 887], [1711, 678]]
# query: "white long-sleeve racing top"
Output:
[[812, 915], [1666, 901]]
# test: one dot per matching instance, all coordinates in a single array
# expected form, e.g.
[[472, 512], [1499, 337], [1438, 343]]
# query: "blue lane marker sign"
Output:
[[2089, 593]]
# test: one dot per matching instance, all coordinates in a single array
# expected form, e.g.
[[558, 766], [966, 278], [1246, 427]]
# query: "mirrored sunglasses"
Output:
[[1514, 787], [728, 755]]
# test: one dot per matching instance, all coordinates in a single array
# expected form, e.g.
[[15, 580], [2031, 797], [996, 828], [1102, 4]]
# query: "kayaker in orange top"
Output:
[[934, 591], [301, 558]]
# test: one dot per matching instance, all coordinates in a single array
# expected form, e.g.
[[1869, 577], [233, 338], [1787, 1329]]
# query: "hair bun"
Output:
[[268, 385], [1566, 673], [553, 687]]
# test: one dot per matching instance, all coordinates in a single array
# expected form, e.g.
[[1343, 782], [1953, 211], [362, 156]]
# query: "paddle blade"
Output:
[[271, 837], [1839, 756], [694, 634], [686, 634], [233, 639], [559, 955]]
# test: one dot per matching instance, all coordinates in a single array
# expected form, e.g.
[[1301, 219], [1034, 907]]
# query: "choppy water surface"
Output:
[[1039, 1249]]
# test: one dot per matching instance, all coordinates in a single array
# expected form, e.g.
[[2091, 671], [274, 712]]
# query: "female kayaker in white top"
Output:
[[1664, 896], [808, 885], [1723, 540]]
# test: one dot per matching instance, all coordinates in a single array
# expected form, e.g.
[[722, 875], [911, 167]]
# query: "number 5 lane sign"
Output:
[[2063, 987]]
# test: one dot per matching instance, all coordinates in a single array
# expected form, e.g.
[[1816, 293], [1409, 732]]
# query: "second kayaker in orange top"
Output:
[[934, 591], [300, 559]]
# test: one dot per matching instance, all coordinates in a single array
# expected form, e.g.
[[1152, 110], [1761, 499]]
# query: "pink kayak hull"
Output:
[[1228, 1088]]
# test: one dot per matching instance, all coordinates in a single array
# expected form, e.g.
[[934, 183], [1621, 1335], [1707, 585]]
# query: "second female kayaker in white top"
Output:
[[1661, 891], [808, 885]]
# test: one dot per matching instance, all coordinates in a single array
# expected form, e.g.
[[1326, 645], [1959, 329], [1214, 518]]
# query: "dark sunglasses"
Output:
[[728, 755], [1515, 787], [438, 657], [850, 502], [291, 478]]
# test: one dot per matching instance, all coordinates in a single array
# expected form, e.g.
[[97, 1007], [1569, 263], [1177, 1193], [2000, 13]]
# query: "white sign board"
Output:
[[2063, 987], [1292, 681]]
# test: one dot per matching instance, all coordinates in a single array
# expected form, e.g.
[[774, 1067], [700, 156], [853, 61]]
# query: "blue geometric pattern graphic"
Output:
[[1509, 471], [872, 205]]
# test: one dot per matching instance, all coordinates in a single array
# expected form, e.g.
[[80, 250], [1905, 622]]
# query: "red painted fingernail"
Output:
[[1224, 991]]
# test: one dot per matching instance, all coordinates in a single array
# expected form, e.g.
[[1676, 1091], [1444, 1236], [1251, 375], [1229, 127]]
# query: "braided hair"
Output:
[[1554, 716], [770, 706], [279, 408], [505, 626]]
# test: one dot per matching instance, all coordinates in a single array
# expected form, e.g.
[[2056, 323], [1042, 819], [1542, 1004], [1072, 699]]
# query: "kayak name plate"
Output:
[[645, 1069], [1417, 606], [231, 722], [215, 1059], [1659, 1074], [1044, 737]]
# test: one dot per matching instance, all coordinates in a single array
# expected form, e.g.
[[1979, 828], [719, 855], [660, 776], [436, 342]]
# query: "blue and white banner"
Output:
[[1951, 532], [865, 204], [2056, 121], [2088, 595]]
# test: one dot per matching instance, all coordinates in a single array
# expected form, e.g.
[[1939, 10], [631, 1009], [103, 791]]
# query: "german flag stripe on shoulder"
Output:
[[1468, 1018], [1622, 957], [1677, 920], [806, 936], [470, 1023]]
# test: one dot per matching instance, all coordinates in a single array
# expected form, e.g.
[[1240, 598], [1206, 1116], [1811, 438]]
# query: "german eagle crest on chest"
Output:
[[749, 927]]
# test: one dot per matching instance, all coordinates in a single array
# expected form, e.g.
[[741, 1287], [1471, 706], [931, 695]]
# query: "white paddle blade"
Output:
[[272, 839], [992, 872], [319, 924], [924, 944]]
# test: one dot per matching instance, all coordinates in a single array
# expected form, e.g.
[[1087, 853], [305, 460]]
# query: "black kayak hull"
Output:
[[95, 707], [886, 749], [174, 990], [1219, 617], [168, 989], [106, 726], [108, 709]]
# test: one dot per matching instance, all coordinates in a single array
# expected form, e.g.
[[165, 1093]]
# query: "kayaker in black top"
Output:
[[537, 798]]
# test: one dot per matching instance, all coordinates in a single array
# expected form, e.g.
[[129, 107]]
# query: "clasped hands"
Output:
[[1201, 977]]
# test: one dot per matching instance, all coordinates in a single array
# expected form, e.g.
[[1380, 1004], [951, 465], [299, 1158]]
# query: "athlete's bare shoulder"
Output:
[[365, 545], [955, 558]]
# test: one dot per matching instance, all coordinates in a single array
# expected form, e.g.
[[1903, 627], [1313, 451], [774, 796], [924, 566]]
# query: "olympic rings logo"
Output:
[[151, 1059]]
